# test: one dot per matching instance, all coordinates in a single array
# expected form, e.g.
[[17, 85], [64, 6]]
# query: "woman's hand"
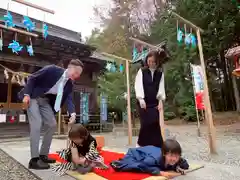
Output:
[[142, 103], [160, 105], [82, 160]]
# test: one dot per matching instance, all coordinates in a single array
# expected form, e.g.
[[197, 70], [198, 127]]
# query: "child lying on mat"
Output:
[[153, 160], [82, 154]]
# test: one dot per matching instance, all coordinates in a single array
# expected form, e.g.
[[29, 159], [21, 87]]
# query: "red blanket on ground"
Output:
[[110, 174]]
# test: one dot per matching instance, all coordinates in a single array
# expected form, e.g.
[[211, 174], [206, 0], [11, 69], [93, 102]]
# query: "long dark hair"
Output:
[[157, 56], [78, 131]]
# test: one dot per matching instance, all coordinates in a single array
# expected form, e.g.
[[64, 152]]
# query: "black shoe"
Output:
[[46, 159], [36, 163]]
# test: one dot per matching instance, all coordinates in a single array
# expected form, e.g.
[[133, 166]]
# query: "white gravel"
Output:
[[10, 169]]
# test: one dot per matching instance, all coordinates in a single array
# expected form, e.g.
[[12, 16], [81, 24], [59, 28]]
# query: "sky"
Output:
[[76, 15]]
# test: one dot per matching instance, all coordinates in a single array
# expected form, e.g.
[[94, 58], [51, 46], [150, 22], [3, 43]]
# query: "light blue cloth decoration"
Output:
[[109, 66], [30, 50], [15, 46], [179, 35], [193, 41], [113, 68], [121, 68], [28, 24], [45, 30], [103, 107], [135, 54], [8, 19], [124, 116], [143, 55], [1, 44], [188, 39], [84, 108], [58, 101]]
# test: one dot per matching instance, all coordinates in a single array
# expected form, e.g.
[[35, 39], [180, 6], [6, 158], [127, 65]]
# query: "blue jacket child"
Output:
[[152, 160]]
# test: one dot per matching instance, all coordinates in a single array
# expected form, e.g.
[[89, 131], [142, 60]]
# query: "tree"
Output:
[[221, 23]]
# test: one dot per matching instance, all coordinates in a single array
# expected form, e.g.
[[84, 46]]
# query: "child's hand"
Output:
[[82, 160], [165, 174], [169, 175]]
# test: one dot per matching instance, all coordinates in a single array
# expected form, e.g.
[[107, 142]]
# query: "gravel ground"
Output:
[[224, 165], [10, 169], [196, 148]]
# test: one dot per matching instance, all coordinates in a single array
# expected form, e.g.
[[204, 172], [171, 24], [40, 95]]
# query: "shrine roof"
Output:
[[55, 32], [233, 52]]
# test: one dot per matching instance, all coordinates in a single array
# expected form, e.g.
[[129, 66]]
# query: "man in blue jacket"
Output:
[[44, 94]]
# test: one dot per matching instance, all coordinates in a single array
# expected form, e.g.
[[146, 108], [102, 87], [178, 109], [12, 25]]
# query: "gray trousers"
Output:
[[40, 112]]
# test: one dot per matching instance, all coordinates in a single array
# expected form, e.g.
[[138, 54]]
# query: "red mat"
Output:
[[110, 174]]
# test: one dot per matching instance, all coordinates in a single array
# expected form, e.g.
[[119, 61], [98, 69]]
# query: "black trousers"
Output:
[[150, 131]]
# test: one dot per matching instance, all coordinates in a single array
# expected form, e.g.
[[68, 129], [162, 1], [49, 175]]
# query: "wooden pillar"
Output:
[[9, 94], [59, 122], [208, 110], [161, 121], [129, 105]]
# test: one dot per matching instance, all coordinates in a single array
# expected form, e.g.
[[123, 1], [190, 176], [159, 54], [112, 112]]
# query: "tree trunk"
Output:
[[227, 92]]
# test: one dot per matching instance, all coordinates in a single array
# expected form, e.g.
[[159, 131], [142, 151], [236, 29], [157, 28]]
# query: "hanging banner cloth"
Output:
[[197, 75], [103, 107], [84, 108]]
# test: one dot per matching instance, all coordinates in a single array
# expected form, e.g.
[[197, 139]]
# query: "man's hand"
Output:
[[26, 100], [142, 103], [72, 119]]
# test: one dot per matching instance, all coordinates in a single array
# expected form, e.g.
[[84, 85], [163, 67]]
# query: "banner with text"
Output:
[[197, 75], [103, 107], [84, 108]]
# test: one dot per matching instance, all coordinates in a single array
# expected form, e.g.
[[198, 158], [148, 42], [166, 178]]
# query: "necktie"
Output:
[[58, 100]]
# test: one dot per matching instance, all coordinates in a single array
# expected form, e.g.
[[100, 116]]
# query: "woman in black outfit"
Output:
[[150, 90]]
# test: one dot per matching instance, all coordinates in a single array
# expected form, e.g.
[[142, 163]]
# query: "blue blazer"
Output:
[[43, 80]]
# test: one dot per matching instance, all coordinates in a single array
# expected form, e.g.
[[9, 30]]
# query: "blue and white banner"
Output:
[[103, 107], [124, 116], [197, 75], [84, 108]]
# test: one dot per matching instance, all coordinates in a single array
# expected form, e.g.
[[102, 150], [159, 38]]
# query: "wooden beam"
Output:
[[9, 94], [187, 22], [147, 44], [59, 122], [115, 57], [34, 6], [13, 106], [18, 31], [129, 105], [207, 104], [23, 60]]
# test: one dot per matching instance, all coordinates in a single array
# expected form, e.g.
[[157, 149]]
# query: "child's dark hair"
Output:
[[171, 146], [78, 131]]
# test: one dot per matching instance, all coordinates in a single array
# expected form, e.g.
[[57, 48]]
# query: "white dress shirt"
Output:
[[139, 91]]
